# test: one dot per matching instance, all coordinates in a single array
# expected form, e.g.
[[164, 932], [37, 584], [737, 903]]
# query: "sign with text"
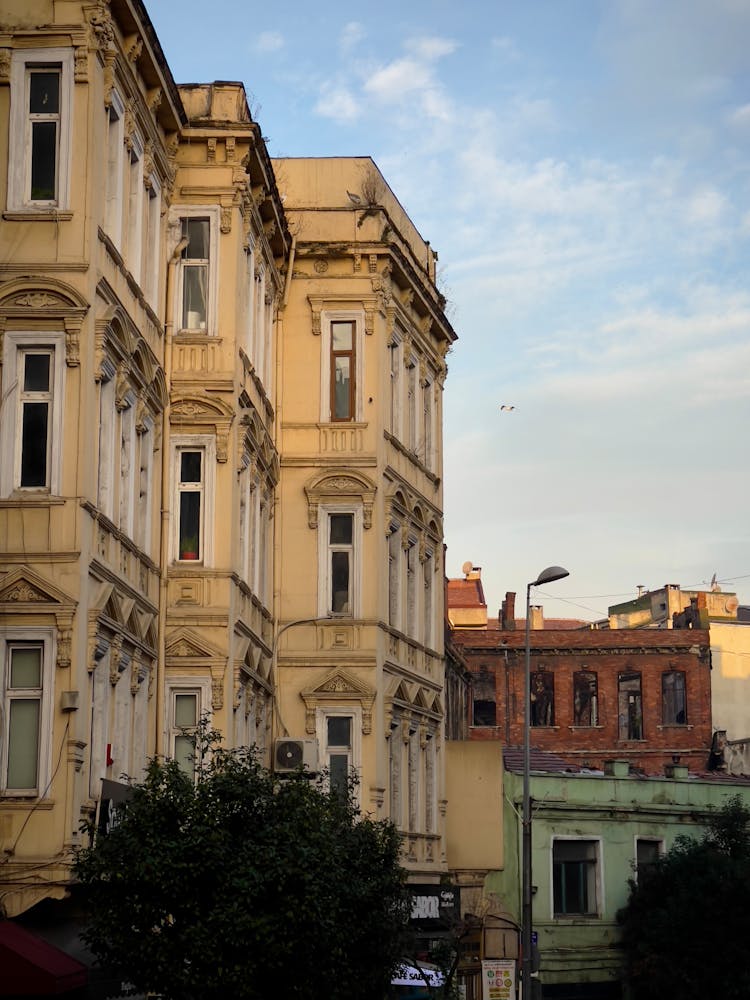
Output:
[[499, 979], [435, 905]]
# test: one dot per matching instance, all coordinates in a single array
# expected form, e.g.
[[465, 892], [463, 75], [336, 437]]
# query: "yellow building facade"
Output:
[[220, 450]]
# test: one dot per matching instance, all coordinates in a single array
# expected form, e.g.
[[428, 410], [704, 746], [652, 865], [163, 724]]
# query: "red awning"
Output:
[[33, 967]]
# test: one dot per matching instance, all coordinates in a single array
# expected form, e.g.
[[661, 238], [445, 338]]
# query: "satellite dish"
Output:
[[467, 568]]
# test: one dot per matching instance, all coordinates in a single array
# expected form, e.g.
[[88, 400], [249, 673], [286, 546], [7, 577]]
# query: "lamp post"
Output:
[[548, 575]]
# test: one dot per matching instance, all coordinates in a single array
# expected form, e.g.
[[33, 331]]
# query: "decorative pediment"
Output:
[[336, 687], [200, 414], [340, 487], [184, 644], [24, 592], [38, 300]]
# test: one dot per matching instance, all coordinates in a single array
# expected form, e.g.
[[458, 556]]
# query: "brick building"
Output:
[[641, 695]]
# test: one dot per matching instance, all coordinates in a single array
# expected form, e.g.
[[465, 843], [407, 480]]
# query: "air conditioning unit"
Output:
[[291, 755]]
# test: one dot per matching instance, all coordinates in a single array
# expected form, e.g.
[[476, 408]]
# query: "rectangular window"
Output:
[[43, 131], [543, 699], [585, 699], [484, 697], [674, 698], [396, 364], [190, 492], [35, 402], [135, 209], [647, 853], [340, 548], [574, 877], [342, 369], [394, 576], [195, 273], [629, 707], [115, 169], [25, 724], [185, 715], [338, 751], [426, 449]]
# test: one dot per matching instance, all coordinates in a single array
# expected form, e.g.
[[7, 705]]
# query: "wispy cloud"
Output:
[[269, 41], [337, 102]]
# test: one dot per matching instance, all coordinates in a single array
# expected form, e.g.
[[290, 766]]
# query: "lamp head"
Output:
[[549, 575]]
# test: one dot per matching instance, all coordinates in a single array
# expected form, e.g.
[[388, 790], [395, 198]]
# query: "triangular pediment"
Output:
[[185, 644], [24, 587], [341, 683]]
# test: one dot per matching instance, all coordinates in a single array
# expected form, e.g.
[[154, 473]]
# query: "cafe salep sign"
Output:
[[499, 979]]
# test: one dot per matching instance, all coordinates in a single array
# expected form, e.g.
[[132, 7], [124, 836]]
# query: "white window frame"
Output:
[[105, 491], [598, 879], [135, 209], [207, 444], [19, 160], [395, 374], [354, 712], [15, 344], [201, 687], [152, 255], [212, 213], [47, 639], [144, 484], [324, 561], [115, 169], [128, 452], [327, 317]]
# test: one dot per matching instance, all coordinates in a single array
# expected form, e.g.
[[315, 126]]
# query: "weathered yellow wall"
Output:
[[474, 786]]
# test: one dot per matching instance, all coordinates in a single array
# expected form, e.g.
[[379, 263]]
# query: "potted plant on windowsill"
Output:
[[189, 547]]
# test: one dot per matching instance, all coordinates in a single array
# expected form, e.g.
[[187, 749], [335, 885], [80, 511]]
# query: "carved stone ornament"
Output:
[[217, 695], [64, 641], [5, 65], [100, 24], [320, 266], [38, 300], [231, 148], [337, 687], [115, 659], [134, 49], [72, 343], [331, 487], [154, 99], [211, 151], [148, 164], [23, 593], [80, 64], [226, 219]]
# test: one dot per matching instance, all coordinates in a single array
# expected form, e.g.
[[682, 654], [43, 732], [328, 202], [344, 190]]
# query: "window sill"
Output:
[[37, 215], [686, 726]]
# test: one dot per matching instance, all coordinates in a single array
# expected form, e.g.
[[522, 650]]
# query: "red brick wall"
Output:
[[607, 654]]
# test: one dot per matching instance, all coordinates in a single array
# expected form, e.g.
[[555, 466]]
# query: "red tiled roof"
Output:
[[466, 594], [556, 623]]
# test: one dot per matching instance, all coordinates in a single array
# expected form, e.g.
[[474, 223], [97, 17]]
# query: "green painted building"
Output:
[[591, 832]]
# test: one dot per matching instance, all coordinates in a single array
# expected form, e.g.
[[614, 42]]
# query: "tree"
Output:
[[242, 885], [686, 924]]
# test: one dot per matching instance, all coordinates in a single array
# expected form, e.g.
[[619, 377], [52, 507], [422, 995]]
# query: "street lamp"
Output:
[[548, 575]]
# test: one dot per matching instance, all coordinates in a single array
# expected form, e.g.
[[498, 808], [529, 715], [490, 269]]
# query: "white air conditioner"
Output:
[[291, 755]]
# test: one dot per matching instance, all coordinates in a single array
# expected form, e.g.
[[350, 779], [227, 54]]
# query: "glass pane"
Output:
[[23, 743], [190, 466], [341, 389], [342, 336], [338, 766], [190, 519], [339, 731], [34, 444], [36, 373], [185, 710], [26, 667], [341, 529], [43, 160], [44, 93], [184, 753], [340, 582], [194, 288], [198, 233]]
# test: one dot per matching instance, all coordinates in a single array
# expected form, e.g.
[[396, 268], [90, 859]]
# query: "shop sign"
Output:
[[499, 979]]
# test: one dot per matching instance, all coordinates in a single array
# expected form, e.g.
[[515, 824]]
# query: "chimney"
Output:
[[537, 617], [508, 611]]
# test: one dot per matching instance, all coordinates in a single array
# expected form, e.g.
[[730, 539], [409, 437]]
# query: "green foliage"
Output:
[[686, 924], [240, 885]]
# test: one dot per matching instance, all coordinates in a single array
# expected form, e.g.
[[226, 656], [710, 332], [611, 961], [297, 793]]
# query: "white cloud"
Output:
[[351, 35], [269, 41], [337, 102], [739, 117]]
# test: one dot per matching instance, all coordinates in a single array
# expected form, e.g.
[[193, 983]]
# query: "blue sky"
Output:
[[582, 169]]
